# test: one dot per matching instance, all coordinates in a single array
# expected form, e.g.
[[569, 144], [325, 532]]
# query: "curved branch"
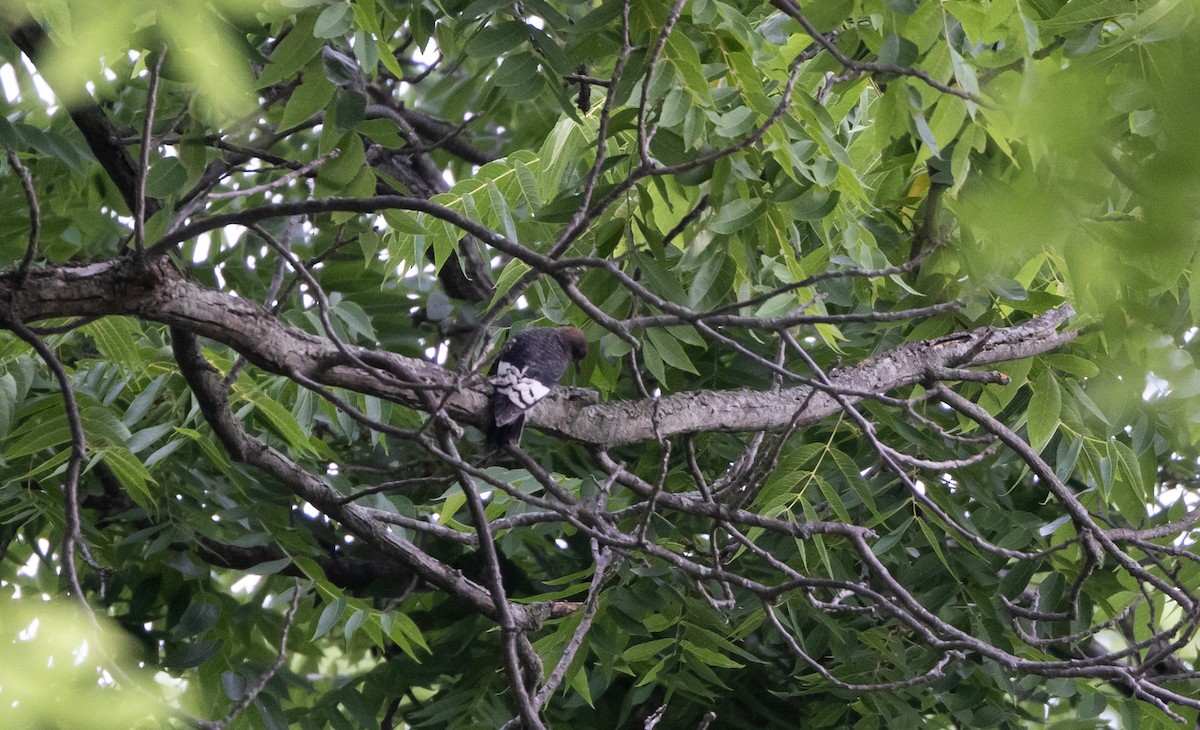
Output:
[[241, 446]]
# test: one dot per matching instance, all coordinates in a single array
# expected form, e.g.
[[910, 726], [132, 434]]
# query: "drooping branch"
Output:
[[243, 447], [35, 211], [260, 682], [72, 535], [157, 292]]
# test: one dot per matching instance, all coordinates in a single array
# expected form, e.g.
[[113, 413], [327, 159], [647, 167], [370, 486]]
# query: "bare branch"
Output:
[[72, 538], [1084, 522], [160, 293], [261, 681], [279, 181], [243, 447], [603, 556], [933, 674], [35, 213], [139, 214], [858, 67]]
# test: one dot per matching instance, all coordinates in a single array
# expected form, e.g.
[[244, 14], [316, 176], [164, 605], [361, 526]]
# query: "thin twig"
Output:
[[280, 181], [583, 213], [517, 668], [59, 329], [1070, 501], [35, 214], [645, 132], [793, 10], [261, 682], [72, 536], [585, 79], [931, 675], [396, 485], [685, 221], [590, 606], [139, 217], [324, 309], [655, 717]]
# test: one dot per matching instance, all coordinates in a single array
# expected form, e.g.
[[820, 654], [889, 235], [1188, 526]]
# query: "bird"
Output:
[[531, 363]]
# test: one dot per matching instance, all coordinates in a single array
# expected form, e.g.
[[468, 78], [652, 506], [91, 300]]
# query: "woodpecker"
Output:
[[530, 364]]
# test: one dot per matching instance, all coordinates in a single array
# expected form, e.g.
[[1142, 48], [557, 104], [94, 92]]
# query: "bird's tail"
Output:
[[507, 435]]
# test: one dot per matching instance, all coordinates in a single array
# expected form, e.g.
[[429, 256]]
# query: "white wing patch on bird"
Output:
[[527, 369], [510, 381]]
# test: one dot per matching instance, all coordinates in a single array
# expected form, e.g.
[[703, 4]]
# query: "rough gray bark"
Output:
[[156, 291]]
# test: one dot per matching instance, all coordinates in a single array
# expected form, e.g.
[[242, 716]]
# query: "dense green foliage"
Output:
[[723, 199]]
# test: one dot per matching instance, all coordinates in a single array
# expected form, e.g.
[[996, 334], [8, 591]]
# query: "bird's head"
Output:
[[575, 343]]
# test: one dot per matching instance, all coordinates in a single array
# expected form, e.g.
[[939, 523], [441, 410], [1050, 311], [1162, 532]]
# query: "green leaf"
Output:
[[336, 174], [934, 540], [312, 95], [501, 211], [1129, 493], [1045, 408], [329, 617], [355, 319], [102, 426], [1073, 364], [509, 275], [561, 149], [117, 340], [897, 51], [8, 402], [52, 433], [710, 657], [293, 52], [578, 681], [682, 55], [335, 20], [516, 70], [667, 348], [405, 633], [354, 623], [651, 675], [281, 419], [496, 40], [349, 107], [903, 7], [444, 239], [131, 473], [197, 618], [644, 651], [454, 502], [144, 400], [167, 177], [653, 361], [269, 567], [528, 185], [735, 215], [402, 221], [893, 538]]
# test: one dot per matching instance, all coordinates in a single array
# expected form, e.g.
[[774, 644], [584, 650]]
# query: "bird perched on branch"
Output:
[[530, 364]]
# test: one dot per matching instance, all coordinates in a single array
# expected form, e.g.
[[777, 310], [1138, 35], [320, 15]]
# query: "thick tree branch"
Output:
[[351, 572], [156, 291]]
